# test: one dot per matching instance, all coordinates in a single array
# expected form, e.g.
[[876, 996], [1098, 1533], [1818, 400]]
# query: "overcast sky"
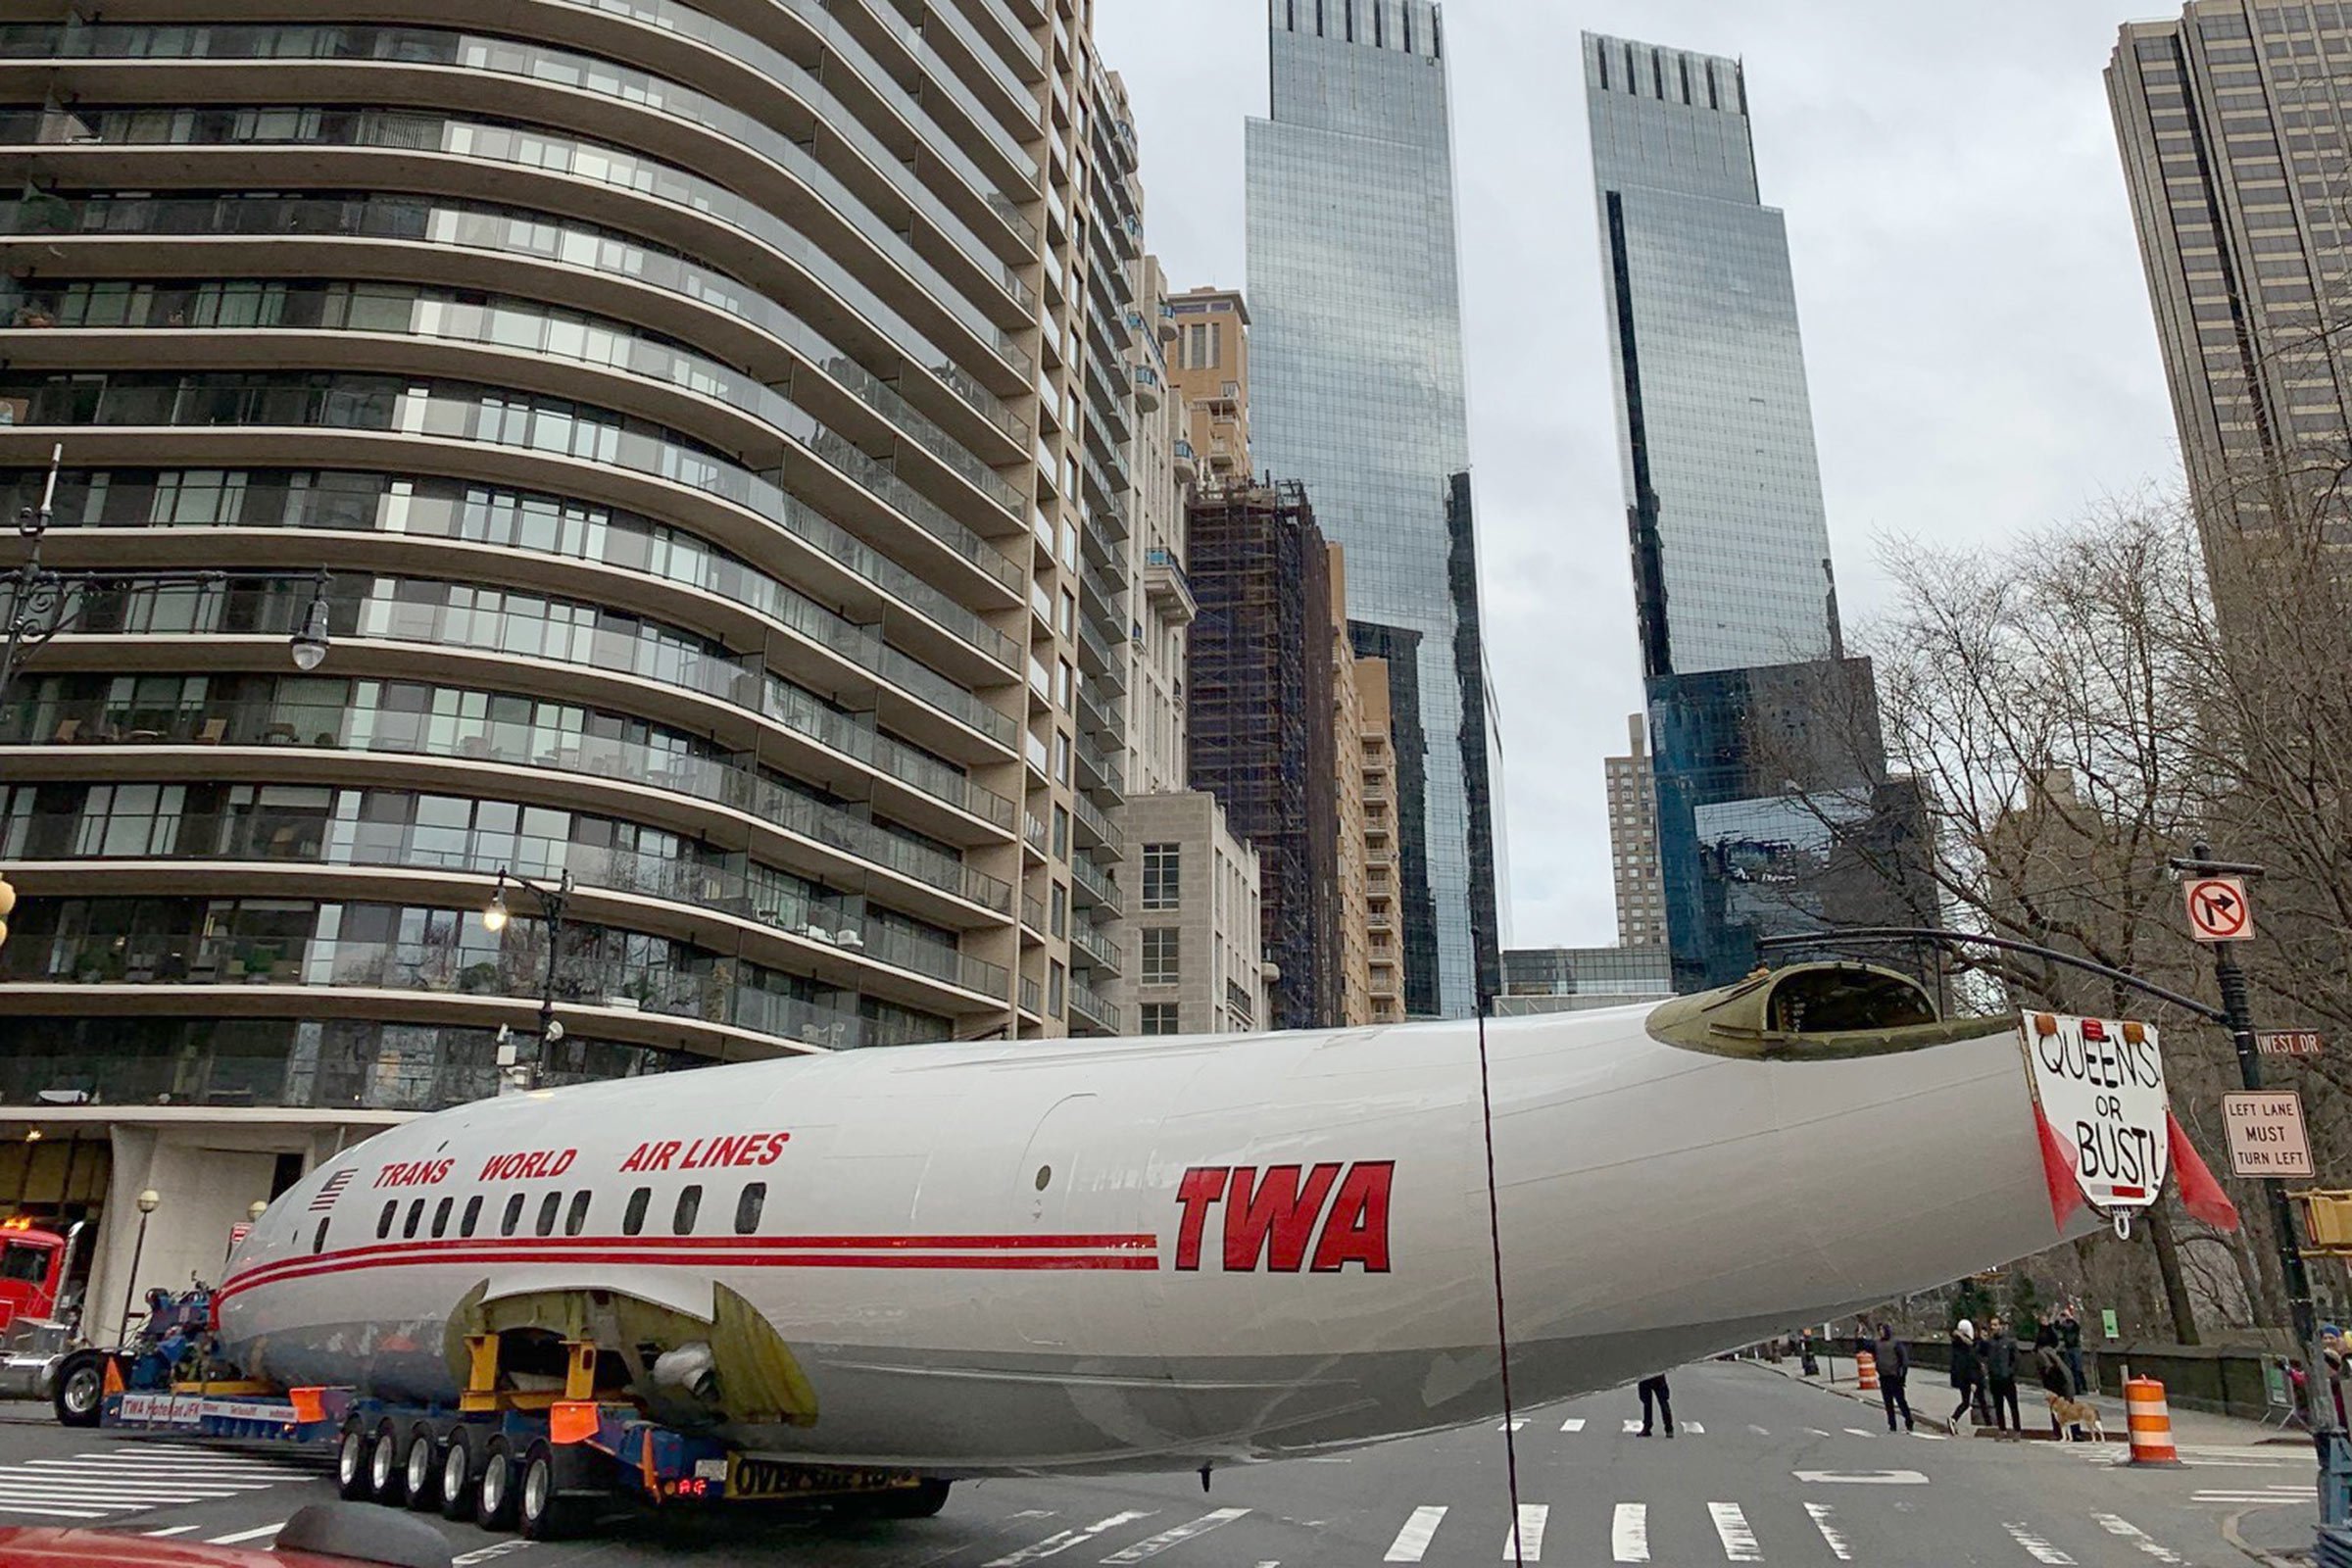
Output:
[[1976, 328]]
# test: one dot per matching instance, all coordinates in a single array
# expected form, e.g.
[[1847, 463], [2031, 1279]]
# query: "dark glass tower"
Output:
[[1356, 390], [1774, 811]]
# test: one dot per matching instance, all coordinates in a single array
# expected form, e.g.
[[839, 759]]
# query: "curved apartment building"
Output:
[[696, 411]]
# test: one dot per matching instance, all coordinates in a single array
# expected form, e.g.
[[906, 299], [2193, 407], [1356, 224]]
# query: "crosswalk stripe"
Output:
[[2136, 1536], [1629, 1533], [1062, 1541], [45, 1470], [1761, 1431], [1694, 1428], [1631, 1425], [1731, 1525], [1525, 1542], [1825, 1520], [254, 1534], [1153, 1545], [21, 1490], [54, 1511], [1862, 1431], [1574, 1423], [170, 1530], [1413, 1540], [2041, 1550], [1512, 1425]]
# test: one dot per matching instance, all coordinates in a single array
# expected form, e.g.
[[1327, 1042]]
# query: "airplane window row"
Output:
[[749, 1203]]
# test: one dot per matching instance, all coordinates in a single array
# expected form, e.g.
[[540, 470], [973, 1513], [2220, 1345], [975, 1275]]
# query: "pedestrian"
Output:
[[2333, 1351], [1894, 1365], [1968, 1370], [2070, 1346], [2050, 1367], [1804, 1350], [1654, 1388], [2001, 1377]]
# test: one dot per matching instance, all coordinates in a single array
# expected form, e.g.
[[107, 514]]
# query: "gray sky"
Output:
[[1977, 328]]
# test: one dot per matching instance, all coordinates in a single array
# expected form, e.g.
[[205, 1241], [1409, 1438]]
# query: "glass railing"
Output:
[[512, 145], [771, 898], [1102, 888], [1105, 832], [1090, 1007], [940, 74], [1096, 946], [1160, 559], [711, 997], [416, 732], [982, 51], [1103, 771], [1032, 999]]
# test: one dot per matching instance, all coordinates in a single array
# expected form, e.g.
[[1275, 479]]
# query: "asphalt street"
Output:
[[1765, 1470]]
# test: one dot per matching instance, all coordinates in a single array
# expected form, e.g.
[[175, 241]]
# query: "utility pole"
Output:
[[2237, 1014]]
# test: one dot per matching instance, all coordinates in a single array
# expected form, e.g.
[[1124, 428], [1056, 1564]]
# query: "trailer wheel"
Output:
[[351, 1462], [494, 1494], [456, 1476], [81, 1390], [544, 1511], [424, 1470], [918, 1501], [387, 1476]]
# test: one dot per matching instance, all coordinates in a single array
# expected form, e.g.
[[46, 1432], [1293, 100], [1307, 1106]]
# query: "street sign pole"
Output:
[[2237, 1012]]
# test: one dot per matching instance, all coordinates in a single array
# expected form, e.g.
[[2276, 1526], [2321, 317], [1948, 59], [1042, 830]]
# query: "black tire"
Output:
[[459, 1473], [423, 1486], [547, 1505], [351, 1462], [494, 1488], [919, 1501], [387, 1475], [81, 1397]]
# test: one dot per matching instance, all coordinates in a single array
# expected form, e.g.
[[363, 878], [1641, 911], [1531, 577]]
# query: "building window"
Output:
[[1159, 955], [1160, 1017], [1162, 864]]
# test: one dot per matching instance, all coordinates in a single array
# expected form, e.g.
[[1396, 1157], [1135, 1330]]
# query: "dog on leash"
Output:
[[2077, 1413]]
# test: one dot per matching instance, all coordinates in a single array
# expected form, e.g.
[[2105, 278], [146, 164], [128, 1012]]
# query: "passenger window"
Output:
[[632, 1218], [318, 1238], [575, 1219], [547, 1214], [384, 1221], [441, 1217], [747, 1207], [512, 1216], [690, 1204], [408, 1227], [471, 1217]]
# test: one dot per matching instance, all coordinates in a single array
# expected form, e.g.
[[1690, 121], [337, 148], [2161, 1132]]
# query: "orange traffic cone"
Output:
[[2151, 1423], [1868, 1367]]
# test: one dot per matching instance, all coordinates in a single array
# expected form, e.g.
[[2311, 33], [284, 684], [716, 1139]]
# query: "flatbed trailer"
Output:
[[542, 1465]]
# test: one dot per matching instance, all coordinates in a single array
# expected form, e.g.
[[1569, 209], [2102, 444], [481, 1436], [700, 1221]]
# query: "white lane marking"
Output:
[[1413, 1540], [254, 1534], [169, 1530], [55, 1511], [1817, 1432], [1177, 1535], [1525, 1542], [1861, 1478], [1761, 1431], [1632, 1425], [1825, 1520], [1032, 1513], [2041, 1550], [1695, 1429], [1574, 1423], [497, 1549], [2136, 1536], [1629, 1533], [1512, 1425], [1062, 1541], [1740, 1543], [1931, 1436], [1862, 1431]]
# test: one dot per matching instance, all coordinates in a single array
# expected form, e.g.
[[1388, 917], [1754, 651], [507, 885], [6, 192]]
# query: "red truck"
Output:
[[34, 1336]]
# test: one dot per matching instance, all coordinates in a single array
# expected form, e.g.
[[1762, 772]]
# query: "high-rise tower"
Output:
[[1356, 390]]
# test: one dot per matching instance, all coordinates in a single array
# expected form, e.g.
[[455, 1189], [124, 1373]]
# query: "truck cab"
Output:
[[33, 1336]]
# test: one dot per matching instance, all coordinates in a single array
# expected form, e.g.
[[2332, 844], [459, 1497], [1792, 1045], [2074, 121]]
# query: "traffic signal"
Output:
[[8, 901], [2326, 1221]]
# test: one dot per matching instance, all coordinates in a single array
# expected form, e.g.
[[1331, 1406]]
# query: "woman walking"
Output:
[[1968, 1371]]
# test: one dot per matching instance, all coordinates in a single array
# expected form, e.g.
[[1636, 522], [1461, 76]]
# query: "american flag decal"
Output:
[[331, 1191]]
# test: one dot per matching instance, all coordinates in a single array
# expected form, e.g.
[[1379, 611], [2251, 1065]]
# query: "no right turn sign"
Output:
[[2218, 909]]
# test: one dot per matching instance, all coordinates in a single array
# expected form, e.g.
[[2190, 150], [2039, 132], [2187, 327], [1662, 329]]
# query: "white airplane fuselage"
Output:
[[1082, 1255]]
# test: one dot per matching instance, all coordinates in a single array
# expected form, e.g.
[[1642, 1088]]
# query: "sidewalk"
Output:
[[1932, 1391]]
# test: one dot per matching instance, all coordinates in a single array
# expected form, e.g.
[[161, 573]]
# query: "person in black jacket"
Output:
[[2070, 1346], [2050, 1365], [2000, 1376], [1654, 1388], [1894, 1365], [1968, 1371]]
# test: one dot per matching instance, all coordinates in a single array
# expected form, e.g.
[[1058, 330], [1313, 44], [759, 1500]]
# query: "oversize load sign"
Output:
[[2101, 1089]]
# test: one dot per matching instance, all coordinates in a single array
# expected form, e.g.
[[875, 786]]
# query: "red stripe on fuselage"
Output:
[[999, 1252]]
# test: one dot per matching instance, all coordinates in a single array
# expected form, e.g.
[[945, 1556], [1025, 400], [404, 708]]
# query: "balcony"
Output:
[[1187, 464], [1104, 721], [1033, 836], [1095, 830], [1094, 949], [1169, 588], [1149, 390], [1088, 1007], [1091, 888], [1095, 771]]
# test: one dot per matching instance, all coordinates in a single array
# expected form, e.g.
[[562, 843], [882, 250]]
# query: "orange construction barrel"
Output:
[[2151, 1423], [1867, 1366]]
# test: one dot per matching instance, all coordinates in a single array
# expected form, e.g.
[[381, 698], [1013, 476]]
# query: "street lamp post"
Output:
[[42, 602], [253, 1215], [552, 898], [148, 1201]]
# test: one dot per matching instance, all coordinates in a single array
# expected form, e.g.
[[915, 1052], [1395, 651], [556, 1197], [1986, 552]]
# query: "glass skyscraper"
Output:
[[1775, 814], [1356, 390]]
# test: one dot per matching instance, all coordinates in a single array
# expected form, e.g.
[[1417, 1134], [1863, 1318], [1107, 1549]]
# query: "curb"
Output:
[[1933, 1423], [2268, 1559]]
